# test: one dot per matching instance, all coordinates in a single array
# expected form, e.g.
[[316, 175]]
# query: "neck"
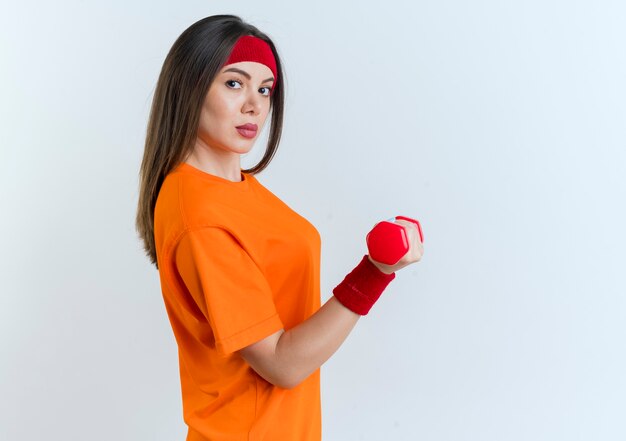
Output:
[[217, 162]]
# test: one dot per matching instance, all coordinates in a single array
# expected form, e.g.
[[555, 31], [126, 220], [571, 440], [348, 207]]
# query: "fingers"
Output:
[[410, 227], [416, 247]]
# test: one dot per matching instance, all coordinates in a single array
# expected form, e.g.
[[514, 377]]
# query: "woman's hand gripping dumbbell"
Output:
[[392, 244], [395, 243]]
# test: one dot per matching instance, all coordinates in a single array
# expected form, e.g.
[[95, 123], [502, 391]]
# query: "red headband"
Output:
[[251, 48]]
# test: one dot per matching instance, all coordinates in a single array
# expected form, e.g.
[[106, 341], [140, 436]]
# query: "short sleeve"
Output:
[[228, 287]]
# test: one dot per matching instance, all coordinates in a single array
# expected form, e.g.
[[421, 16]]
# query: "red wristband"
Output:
[[360, 289]]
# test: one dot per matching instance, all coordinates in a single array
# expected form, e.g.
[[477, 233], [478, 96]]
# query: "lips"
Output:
[[247, 130], [248, 127]]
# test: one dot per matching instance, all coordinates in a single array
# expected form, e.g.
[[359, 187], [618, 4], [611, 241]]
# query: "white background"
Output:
[[498, 124]]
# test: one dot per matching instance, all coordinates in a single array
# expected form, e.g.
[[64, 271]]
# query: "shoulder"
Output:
[[197, 202]]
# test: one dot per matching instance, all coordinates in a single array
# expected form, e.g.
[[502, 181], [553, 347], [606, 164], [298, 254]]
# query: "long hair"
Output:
[[187, 73]]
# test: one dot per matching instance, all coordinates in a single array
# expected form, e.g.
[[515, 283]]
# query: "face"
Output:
[[238, 95]]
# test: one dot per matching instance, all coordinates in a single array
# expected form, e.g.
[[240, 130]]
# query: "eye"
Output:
[[269, 89], [232, 81]]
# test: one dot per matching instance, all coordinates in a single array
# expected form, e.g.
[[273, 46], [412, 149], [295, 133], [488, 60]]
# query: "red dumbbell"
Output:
[[388, 242]]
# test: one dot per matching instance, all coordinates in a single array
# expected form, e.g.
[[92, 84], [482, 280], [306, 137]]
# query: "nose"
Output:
[[253, 103]]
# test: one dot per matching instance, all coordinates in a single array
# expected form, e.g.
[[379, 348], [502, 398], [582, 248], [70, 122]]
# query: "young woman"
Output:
[[239, 269]]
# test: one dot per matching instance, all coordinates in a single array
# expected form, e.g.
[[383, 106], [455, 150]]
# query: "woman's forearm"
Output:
[[304, 348]]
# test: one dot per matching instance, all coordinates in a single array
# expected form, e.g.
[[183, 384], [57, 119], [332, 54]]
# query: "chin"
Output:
[[244, 148]]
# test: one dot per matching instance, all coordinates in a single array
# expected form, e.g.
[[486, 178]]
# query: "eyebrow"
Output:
[[246, 74]]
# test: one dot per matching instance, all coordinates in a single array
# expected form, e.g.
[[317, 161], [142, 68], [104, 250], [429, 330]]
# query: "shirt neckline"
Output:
[[188, 168]]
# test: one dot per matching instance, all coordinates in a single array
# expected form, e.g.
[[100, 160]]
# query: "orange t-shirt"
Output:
[[236, 264]]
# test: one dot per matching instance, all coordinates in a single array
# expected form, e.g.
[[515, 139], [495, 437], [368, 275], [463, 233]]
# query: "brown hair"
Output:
[[187, 73]]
